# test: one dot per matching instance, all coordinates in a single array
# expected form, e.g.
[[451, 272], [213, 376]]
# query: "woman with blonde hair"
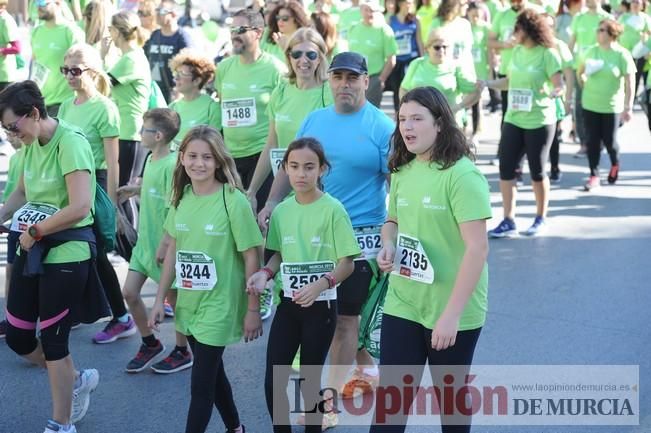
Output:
[[97, 15]]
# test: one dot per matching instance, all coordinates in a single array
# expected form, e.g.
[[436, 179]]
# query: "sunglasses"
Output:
[[183, 74], [439, 47], [602, 30], [152, 130], [241, 29], [311, 55], [14, 127], [162, 11], [74, 71], [143, 14], [283, 18]]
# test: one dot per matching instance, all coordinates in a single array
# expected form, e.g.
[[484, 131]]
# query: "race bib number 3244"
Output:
[[195, 271]]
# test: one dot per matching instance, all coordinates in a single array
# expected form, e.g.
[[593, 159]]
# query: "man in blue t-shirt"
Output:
[[356, 138]]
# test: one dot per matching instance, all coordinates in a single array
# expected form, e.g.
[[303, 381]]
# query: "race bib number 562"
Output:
[[195, 271], [412, 262]]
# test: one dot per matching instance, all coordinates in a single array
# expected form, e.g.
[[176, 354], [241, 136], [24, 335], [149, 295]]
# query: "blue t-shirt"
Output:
[[405, 37], [358, 150]]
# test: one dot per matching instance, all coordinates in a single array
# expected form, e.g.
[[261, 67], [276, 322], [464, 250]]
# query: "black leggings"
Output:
[[579, 123], [105, 269], [534, 142], [53, 298], [407, 343], [209, 385], [246, 168], [312, 329], [131, 160], [640, 73], [555, 150], [601, 128]]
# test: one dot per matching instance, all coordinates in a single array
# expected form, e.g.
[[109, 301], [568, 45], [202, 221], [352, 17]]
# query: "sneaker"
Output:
[[144, 357], [3, 328], [613, 174], [114, 330], [55, 427], [266, 300], [581, 153], [169, 311], [360, 384], [536, 228], [592, 184], [176, 361], [81, 395], [506, 229], [555, 176]]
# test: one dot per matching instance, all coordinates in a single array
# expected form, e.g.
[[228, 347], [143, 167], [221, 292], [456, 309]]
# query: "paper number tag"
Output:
[[520, 99], [30, 214], [195, 271], [276, 158], [411, 261], [239, 112], [296, 275], [39, 74], [370, 242]]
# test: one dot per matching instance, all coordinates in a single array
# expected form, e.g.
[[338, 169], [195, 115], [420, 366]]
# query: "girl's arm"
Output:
[[474, 258], [161, 251], [629, 79], [252, 320], [111, 151], [469, 99], [309, 292], [388, 251], [498, 84], [157, 313], [256, 282]]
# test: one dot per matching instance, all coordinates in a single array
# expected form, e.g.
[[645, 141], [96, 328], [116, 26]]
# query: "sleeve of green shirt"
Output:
[[124, 70], [466, 80], [409, 75], [170, 226], [168, 179], [215, 115], [243, 224], [390, 43], [109, 121], [75, 154], [552, 62], [393, 210], [273, 235], [628, 64], [470, 197]]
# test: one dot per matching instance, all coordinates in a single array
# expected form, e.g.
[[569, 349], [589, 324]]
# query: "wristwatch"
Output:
[[34, 233]]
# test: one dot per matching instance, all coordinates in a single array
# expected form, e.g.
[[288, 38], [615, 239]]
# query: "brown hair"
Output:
[[613, 28], [165, 120], [535, 27], [226, 172], [307, 143], [449, 10], [202, 66], [295, 10], [128, 26], [96, 19], [327, 28], [450, 145]]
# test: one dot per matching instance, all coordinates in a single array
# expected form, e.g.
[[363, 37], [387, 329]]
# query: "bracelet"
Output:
[[269, 272], [332, 282], [390, 221]]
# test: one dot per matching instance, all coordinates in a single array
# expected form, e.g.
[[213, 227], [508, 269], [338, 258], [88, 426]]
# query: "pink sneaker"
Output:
[[114, 330]]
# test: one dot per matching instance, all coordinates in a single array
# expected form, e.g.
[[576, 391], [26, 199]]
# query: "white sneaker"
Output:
[[81, 395], [54, 427]]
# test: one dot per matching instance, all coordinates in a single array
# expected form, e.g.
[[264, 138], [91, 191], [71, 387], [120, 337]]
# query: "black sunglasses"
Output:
[[440, 47], [283, 18], [241, 29], [312, 55], [74, 71]]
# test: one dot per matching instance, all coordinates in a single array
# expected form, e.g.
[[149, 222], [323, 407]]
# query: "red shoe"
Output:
[[613, 174]]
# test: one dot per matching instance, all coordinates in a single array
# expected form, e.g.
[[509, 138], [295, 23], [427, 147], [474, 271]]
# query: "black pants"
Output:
[[476, 117], [246, 168], [578, 113], [601, 128], [105, 269], [131, 160], [312, 329], [504, 94], [534, 142], [395, 79], [640, 73], [555, 149], [407, 343], [209, 386]]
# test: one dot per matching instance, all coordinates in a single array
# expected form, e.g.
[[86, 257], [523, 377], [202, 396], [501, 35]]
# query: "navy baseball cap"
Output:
[[349, 61]]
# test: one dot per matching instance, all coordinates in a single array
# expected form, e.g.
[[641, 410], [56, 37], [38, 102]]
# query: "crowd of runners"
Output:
[[256, 173]]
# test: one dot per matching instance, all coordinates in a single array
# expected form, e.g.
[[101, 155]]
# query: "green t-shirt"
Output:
[[49, 46], [567, 59], [201, 224], [45, 167], [529, 72], [8, 33], [634, 26], [459, 35], [377, 43], [584, 28], [603, 91], [271, 48], [348, 18], [494, 7], [131, 94], [502, 27], [155, 192], [480, 49], [16, 168], [425, 14], [431, 212], [319, 231], [289, 106], [98, 118], [450, 78], [244, 92], [203, 110]]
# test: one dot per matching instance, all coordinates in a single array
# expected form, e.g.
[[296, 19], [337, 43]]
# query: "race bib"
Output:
[[592, 66], [404, 45], [195, 271], [520, 99], [239, 112], [30, 214], [370, 241], [296, 275], [39, 74], [276, 158], [476, 54], [411, 261], [636, 22]]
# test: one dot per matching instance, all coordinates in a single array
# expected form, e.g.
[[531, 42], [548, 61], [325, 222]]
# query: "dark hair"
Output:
[[534, 26], [325, 25], [22, 97], [296, 11], [447, 10], [451, 144], [410, 17], [613, 28], [255, 19], [167, 121], [307, 143]]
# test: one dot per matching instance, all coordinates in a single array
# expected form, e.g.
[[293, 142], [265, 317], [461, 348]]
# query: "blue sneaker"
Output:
[[506, 229], [536, 228]]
